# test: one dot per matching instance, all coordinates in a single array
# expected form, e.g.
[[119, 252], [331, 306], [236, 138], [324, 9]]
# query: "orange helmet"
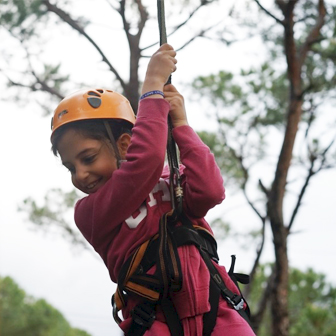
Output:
[[92, 104]]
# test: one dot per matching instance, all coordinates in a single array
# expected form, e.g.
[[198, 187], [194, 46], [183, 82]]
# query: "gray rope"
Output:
[[171, 145]]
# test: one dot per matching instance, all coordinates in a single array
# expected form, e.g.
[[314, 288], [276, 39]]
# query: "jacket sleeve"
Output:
[[98, 215], [202, 180]]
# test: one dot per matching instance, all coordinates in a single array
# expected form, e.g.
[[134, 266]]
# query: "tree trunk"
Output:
[[279, 296], [134, 84], [279, 290]]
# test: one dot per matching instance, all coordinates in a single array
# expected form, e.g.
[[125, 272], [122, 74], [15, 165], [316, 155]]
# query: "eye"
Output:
[[89, 159]]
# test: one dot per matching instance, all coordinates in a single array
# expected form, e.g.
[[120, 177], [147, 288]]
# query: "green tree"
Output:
[[285, 94], [312, 302], [28, 25], [21, 314], [282, 99]]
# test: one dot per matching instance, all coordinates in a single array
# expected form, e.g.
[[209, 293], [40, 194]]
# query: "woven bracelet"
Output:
[[150, 93]]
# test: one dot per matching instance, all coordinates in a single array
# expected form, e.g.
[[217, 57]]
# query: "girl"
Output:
[[128, 192]]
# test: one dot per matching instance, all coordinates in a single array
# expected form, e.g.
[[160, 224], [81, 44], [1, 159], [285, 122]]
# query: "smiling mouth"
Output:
[[92, 185]]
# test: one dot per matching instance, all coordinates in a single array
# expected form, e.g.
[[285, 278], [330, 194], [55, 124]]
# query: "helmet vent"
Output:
[[92, 93], [95, 102], [61, 114], [100, 90]]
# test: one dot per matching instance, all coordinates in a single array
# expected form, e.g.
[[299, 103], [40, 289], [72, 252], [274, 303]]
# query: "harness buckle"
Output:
[[237, 302], [143, 315]]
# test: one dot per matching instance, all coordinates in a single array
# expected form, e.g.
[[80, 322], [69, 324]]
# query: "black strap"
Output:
[[143, 316], [235, 300], [168, 277], [172, 319], [239, 278], [210, 318], [187, 234]]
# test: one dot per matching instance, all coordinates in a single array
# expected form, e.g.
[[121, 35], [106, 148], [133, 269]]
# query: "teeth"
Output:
[[92, 185]]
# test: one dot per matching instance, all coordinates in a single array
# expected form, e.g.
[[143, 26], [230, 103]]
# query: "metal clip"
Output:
[[115, 311], [240, 305], [235, 305]]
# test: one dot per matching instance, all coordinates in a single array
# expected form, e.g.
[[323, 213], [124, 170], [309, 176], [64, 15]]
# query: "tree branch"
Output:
[[143, 17], [323, 164], [239, 158], [257, 259], [281, 4], [313, 36], [110, 4], [263, 188], [66, 18], [46, 87], [33, 86], [311, 172], [268, 12], [200, 34], [203, 3], [262, 305], [176, 28], [132, 88]]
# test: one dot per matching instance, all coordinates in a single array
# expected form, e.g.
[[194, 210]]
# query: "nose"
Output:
[[81, 174]]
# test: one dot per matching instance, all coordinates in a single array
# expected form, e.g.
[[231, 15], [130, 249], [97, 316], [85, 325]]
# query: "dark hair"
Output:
[[92, 128]]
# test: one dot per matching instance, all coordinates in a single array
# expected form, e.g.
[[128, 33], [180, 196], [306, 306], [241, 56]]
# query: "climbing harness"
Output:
[[153, 290], [175, 230]]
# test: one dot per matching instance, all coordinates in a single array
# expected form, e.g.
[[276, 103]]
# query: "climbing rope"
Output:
[[175, 179]]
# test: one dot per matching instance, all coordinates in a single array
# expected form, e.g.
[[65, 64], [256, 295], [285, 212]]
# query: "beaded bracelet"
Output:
[[150, 93]]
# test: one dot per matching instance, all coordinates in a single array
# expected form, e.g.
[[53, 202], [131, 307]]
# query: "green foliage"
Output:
[[312, 303], [53, 215], [247, 106], [22, 315], [24, 24], [18, 15], [224, 156], [252, 106]]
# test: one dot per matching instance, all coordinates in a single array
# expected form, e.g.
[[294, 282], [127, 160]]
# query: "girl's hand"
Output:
[[160, 66], [177, 111]]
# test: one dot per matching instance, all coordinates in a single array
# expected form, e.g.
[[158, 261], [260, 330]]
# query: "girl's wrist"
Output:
[[153, 93], [152, 84], [180, 123]]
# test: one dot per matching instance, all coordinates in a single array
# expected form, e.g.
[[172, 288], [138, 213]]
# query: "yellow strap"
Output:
[[143, 291], [201, 228], [118, 299], [137, 257]]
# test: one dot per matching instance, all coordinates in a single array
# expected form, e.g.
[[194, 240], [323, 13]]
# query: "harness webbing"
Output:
[[156, 289]]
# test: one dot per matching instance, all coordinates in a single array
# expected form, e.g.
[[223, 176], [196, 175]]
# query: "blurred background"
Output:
[[258, 79]]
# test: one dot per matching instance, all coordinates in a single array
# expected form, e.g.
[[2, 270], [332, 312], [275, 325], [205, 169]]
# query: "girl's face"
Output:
[[91, 162]]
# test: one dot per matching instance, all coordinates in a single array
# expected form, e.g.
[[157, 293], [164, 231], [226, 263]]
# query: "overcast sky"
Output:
[[77, 282]]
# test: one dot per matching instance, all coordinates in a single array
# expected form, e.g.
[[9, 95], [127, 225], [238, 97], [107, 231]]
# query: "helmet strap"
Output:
[[113, 142]]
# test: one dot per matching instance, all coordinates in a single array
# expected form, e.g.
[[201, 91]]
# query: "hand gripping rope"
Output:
[[176, 192]]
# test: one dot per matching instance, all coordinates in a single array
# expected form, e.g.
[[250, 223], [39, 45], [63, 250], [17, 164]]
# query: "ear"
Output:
[[123, 143]]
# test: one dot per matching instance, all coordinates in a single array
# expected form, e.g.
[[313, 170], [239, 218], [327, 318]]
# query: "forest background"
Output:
[[232, 72]]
